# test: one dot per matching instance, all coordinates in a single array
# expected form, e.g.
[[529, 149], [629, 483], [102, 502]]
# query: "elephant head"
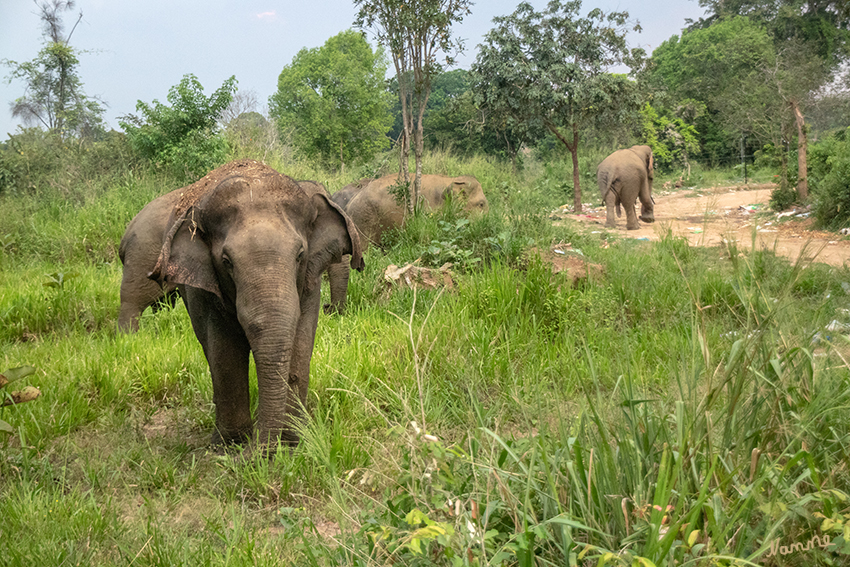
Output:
[[246, 247], [468, 190]]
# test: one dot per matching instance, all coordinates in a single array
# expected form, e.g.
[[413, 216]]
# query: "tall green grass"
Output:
[[517, 419]]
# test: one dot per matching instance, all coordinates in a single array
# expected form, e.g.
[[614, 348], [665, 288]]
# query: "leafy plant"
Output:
[[57, 280], [448, 247], [183, 137]]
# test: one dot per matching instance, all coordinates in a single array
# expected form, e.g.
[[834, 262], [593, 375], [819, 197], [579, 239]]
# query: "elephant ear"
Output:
[[334, 235], [185, 258]]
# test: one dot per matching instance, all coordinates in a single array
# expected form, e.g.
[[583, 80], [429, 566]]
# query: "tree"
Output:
[[811, 43], [547, 71], [333, 98], [414, 33], [54, 93], [753, 85], [183, 136]]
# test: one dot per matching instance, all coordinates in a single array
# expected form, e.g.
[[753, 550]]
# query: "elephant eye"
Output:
[[300, 256], [226, 261]]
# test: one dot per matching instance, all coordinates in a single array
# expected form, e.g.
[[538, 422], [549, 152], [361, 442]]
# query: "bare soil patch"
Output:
[[707, 217]]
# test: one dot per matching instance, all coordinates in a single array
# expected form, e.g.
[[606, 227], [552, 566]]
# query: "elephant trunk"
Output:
[[270, 325]]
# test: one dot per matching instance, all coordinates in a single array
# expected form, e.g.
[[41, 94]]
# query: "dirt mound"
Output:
[[708, 217], [248, 168], [569, 262]]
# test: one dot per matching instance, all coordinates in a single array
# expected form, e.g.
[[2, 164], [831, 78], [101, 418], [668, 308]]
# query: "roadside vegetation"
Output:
[[681, 406], [691, 403]]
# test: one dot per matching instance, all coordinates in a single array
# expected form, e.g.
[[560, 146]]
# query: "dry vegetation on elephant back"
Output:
[[681, 403]]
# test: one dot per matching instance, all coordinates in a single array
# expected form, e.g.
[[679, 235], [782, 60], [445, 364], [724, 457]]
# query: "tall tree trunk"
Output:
[[802, 150], [419, 146], [573, 149], [576, 179]]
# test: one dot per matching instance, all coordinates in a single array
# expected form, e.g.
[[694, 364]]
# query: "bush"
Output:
[[830, 179], [783, 197], [183, 137], [33, 159]]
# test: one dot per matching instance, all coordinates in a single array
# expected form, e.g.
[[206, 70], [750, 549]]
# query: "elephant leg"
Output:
[[299, 369], [226, 349], [338, 276], [631, 214], [647, 208], [610, 206]]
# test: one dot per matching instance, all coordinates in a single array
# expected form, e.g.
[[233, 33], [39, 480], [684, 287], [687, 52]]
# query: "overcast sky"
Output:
[[139, 49]]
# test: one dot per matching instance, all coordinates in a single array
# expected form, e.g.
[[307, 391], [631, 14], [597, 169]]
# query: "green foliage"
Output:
[[722, 67], [545, 71], [830, 178], [34, 161], [782, 198], [332, 99], [183, 137], [672, 139]]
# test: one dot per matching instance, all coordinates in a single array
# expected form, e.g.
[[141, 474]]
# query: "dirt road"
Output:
[[707, 216]]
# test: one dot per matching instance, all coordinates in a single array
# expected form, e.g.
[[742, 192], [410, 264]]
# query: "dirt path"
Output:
[[707, 216]]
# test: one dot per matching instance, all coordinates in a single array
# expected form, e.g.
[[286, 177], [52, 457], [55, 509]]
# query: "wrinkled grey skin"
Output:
[[374, 210], [344, 195], [138, 251], [624, 177], [247, 258]]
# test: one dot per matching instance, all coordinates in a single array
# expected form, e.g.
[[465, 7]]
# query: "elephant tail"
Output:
[[607, 182]]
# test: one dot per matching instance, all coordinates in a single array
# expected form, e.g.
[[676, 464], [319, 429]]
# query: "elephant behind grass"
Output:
[[246, 247], [373, 206]]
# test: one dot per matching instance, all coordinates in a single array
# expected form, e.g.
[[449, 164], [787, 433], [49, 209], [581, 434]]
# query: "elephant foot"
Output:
[[237, 437], [330, 309], [647, 218], [632, 227], [610, 224]]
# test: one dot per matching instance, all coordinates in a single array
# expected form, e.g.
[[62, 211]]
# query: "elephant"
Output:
[[138, 251], [375, 210], [344, 195], [246, 247], [625, 176]]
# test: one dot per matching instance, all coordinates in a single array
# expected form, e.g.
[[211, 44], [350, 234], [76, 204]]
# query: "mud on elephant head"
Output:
[[624, 177], [374, 208], [246, 247]]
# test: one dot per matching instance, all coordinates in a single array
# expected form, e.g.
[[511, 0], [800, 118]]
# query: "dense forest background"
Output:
[[755, 81]]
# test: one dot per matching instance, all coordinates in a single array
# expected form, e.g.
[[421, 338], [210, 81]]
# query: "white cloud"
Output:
[[264, 15]]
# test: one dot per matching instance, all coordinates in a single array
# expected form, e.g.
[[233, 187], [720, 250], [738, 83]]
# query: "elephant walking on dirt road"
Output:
[[375, 210], [624, 177], [246, 247]]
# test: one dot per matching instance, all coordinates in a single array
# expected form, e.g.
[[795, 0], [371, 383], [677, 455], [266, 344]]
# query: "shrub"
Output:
[[830, 178], [182, 137]]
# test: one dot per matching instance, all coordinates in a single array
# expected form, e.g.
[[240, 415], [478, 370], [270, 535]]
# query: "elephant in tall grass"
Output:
[[246, 247], [375, 210], [624, 177]]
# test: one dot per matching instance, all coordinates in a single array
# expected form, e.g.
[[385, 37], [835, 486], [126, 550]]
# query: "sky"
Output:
[[137, 50]]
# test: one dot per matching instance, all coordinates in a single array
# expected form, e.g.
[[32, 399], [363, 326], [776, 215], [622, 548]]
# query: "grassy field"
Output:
[[690, 407]]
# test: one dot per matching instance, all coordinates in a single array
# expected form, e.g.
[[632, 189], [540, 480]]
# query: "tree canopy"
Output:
[[184, 135], [547, 71], [333, 100], [54, 95]]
